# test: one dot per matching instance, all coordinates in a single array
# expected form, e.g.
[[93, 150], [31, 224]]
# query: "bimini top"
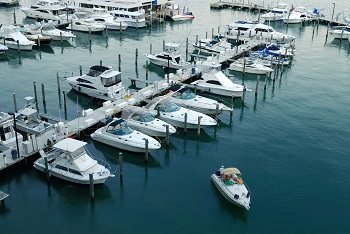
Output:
[[113, 122], [69, 144], [231, 170]]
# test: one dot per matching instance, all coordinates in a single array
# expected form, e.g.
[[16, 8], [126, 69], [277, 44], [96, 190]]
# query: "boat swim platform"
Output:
[[3, 195]]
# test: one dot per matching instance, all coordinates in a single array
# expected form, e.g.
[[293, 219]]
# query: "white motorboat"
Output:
[[29, 121], [170, 57], [134, 19], [213, 80], [9, 2], [232, 187], [297, 17], [141, 119], [56, 34], [103, 17], [276, 13], [48, 10], [100, 82], [340, 32], [3, 49], [184, 97], [275, 50], [38, 38], [7, 132], [251, 67], [216, 45], [247, 30], [184, 16], [69, 160], [118, 134], [82, 22], [14, 39], [269, 59], [175, 115]]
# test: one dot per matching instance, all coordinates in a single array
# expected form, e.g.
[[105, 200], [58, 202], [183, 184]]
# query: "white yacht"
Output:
[[175, 115], [68, 160], [82, 22], [118, 134], [29, 121], [141, 119], [170, 57], [276, 13], [184, 97], [340, 32], [134, 19], [183, 17], [48, 10], [7, 132], [297, 16], [216, 45], [56, 34], [100, 82], [232, 187], [257, 30], [249, 66], [213, 80], [103, 17], [14, 39]]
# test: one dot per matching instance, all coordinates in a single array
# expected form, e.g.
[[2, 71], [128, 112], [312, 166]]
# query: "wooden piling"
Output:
[[265, 84], [199, 126], [39, 41], [35, 94], [119, 63], [47, 172], [136, 55], [18, 49], [185, 123], [244, 67], [14, 101], [64, 103], [92, 192], [163, 45], [14, 16], [186, 47], [58, 86], [212, 33], [257, 85], [121, 172], [120, 27], [61, 37], [150, 48], [243, 97], [206, 35], [196, 39], [217, 111], [43, 93], [167, 134], [80, 70], [146, 150], [146, 70], [90, 36]]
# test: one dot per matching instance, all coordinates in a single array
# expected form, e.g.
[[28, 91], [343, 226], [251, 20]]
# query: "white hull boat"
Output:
[[100, 82], [175, 115], [14, 39], [134, 19], [340, 32], [184, 97], [47, 10], [297, 16], [170, 57], [71, 162], [85, 26], [250, 67], [215, 45], [277, 13], [142, 120], [232, 187], [56, 34], [119, 135], [101, 16], [183, 17]]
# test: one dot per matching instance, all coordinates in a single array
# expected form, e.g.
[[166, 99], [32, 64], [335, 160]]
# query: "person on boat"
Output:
[[54, 138], [221, 172]]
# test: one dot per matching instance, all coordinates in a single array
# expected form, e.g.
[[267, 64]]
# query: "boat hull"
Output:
[[14, 46], [249, 70], [219, 91], [164, 63]]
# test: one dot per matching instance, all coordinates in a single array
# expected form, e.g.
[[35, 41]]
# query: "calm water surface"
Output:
[[291, 142]]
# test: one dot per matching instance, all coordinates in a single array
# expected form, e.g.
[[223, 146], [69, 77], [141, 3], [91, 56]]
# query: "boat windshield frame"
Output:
[[169, 107]]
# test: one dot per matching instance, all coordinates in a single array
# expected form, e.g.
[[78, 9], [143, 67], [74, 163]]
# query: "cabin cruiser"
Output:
[[167, 110], [275, 50], [340, 32], [141, 119], [14, 39], [118, 134], [82, 22], [230, 184], [29, 121], [69, 160], [249, 66], [215, 45], [56, 34], [100, 82], [276, 13], [247, 30], [134, 19], [170, 57], [103, 17], [182, 17], [48, 10], [184, 97], [38, 38], [213, 80], [7, 132], [297, 16]]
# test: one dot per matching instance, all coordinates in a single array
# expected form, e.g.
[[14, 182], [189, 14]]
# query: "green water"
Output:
[[291, 143]]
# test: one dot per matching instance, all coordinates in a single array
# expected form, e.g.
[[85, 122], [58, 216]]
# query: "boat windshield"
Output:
[[120, 129], [186, 95], [169, 106], [144, 117]]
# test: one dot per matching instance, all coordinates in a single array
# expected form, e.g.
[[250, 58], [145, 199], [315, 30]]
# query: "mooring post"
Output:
[[101, 62], [206, 35], [58, 85], [265, 81], [199, 126], [232, 105], [196, 39], [120, 27], [106, 32], [80, 70], [14, 101], [219, 29], [212, 33], [257, 85], [61, 37], [43, 93], [147, 70], [18, 49], [121, 172], [217, 111], [158, 112], [146, 150], [185, 127], [90, 36], [119, 63], [163, 45], [244, 65], [136, 55], [150, 48], [167, 134], [47, 172], [186, 47], [14, 16], [38, 41], [35, 94], [64, 102], [92, 192]]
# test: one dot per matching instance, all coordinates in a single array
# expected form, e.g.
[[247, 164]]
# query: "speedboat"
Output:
[[68, 160], [297, 16], [3, 49], [7, 132], [175, 115], [56, 34], [215, 45], [184, 16], [38, 38], [103, 17], [232, 187], [247, 30], [29, 121], [170, 57], [275, 50], [141, 119], [82, 22], [118, 134], [251, 67], [100, 82], [340, 32], [183, 96], [14, 39], [213, 80], [268, 59], [276, 13]]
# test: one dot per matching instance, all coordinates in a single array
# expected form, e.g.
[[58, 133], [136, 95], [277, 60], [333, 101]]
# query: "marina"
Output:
[[289, 120]]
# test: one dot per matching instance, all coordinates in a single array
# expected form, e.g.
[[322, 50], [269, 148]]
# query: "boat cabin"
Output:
[[108, 76]]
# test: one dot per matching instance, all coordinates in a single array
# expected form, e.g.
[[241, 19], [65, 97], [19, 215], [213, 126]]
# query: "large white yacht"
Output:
[[84, 23], [276, 13], [14, 39], [118, 134], [103, 17], [69, 160], [100, 82], [48, 10], [7, 132]]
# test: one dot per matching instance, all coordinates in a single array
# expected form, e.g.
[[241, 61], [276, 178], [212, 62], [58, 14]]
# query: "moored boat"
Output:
[[184, 16]]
